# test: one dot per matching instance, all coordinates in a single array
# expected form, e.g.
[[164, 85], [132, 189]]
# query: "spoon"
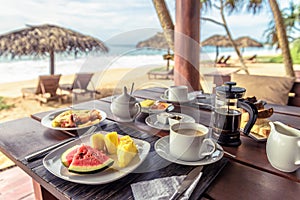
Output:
[[131, 88]]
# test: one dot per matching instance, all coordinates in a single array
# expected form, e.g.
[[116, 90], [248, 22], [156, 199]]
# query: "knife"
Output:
[[45, 151], [190, 178]]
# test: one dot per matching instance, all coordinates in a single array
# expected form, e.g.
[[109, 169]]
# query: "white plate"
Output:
[[151, 111], [53, 164], [162, 149], [151, 121], [47, 120], [258, 137], [191, 97]]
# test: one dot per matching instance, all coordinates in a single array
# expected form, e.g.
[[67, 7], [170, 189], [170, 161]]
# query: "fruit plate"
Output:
[[47, 120], [53, 164], [155, 106]]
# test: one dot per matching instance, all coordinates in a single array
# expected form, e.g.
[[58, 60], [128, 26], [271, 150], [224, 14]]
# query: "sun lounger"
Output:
[[46, 89], [224, 62], [252, 59], [161, 74], [220, 60], [79, 85]]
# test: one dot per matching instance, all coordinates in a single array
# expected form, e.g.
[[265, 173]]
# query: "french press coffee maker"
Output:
[[227, 114]]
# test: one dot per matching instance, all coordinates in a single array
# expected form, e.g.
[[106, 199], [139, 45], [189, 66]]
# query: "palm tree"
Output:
[[291, 18], [165, 21], [282, 38], [233, 5]]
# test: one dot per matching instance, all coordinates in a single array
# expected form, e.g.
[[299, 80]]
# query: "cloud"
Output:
[[94, 17], [106, 19]]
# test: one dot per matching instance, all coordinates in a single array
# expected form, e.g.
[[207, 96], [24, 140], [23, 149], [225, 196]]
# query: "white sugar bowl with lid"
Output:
[[125, 107]]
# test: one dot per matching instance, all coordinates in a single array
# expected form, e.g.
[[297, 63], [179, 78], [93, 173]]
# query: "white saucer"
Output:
[[191, 97], [162, 149], [151, 121]]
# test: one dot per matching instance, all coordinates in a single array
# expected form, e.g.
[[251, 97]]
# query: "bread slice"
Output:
[[261, 127]]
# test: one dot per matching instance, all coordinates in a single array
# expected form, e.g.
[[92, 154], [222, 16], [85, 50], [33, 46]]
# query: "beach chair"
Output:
[[224, 62], [220, 60], [46, 89], [79, 85], [252, 59], [161, 74]]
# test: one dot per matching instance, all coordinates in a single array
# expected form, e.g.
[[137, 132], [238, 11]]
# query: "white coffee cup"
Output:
[[283, 147], [189, 142], [177, 93]]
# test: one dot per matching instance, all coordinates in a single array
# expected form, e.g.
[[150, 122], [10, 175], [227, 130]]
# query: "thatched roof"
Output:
[[217, 40], [247, 42], [157, 41], [39, 40]]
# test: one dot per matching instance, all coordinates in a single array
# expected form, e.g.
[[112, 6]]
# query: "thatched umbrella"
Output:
[[158, 41], [217, 41], [47, 40], [247, 42]]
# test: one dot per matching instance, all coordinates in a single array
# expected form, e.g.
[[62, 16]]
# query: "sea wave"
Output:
[[129, 57]]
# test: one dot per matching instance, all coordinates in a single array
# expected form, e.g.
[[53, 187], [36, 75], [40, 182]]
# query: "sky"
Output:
[[130, 20]]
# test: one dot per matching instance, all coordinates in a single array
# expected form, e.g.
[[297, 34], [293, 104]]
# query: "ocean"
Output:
[[119, 56]]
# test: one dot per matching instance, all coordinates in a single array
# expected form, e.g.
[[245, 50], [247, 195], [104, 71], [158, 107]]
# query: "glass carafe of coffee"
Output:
[[227, 114]]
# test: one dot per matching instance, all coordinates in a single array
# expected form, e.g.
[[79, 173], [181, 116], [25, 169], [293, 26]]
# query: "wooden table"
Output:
[[247, 176]]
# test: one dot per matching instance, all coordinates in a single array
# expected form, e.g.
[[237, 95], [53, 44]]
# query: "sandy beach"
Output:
[[108, 82]]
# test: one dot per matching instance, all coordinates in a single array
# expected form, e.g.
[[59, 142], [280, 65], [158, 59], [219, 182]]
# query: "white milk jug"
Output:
[[283, 147]]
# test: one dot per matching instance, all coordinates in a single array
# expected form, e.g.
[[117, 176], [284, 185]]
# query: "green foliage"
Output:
[[3, 105], [295, 53]]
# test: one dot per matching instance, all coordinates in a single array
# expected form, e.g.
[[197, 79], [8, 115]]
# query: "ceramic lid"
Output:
[[125, 97]]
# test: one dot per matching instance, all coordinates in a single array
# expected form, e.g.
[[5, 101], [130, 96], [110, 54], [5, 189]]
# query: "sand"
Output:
[[108, 82]]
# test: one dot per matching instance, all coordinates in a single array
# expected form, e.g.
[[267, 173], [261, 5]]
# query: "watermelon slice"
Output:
[[86, 159], [67, 156]]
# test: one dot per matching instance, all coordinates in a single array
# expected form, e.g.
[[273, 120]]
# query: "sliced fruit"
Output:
[[89, 160], [126, 151], [67, 156], [147, 103], [97, 141], [111, 142]]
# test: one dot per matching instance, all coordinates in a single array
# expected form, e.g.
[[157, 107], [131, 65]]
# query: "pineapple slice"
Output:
[[111, 142], [97, 141], [126, 151], [147, 103]]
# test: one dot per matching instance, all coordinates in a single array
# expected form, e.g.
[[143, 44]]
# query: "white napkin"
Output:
[[161, 188]]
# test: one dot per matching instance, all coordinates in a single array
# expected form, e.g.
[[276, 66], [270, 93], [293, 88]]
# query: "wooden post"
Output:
[[187, 34], [51, 61]]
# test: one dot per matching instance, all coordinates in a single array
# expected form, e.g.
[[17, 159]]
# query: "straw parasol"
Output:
[[47, 40], [158, 41], [247, 42], [217, 41]]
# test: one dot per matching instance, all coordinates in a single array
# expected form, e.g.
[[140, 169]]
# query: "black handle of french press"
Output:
[[230, 84], [253, 113]]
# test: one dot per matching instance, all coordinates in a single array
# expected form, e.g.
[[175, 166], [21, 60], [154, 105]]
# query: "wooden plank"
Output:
[[252, 153], [24, 136], [288, 110], [237, 181]]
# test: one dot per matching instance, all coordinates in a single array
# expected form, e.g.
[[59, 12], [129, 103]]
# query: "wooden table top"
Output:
[[247, 176]]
